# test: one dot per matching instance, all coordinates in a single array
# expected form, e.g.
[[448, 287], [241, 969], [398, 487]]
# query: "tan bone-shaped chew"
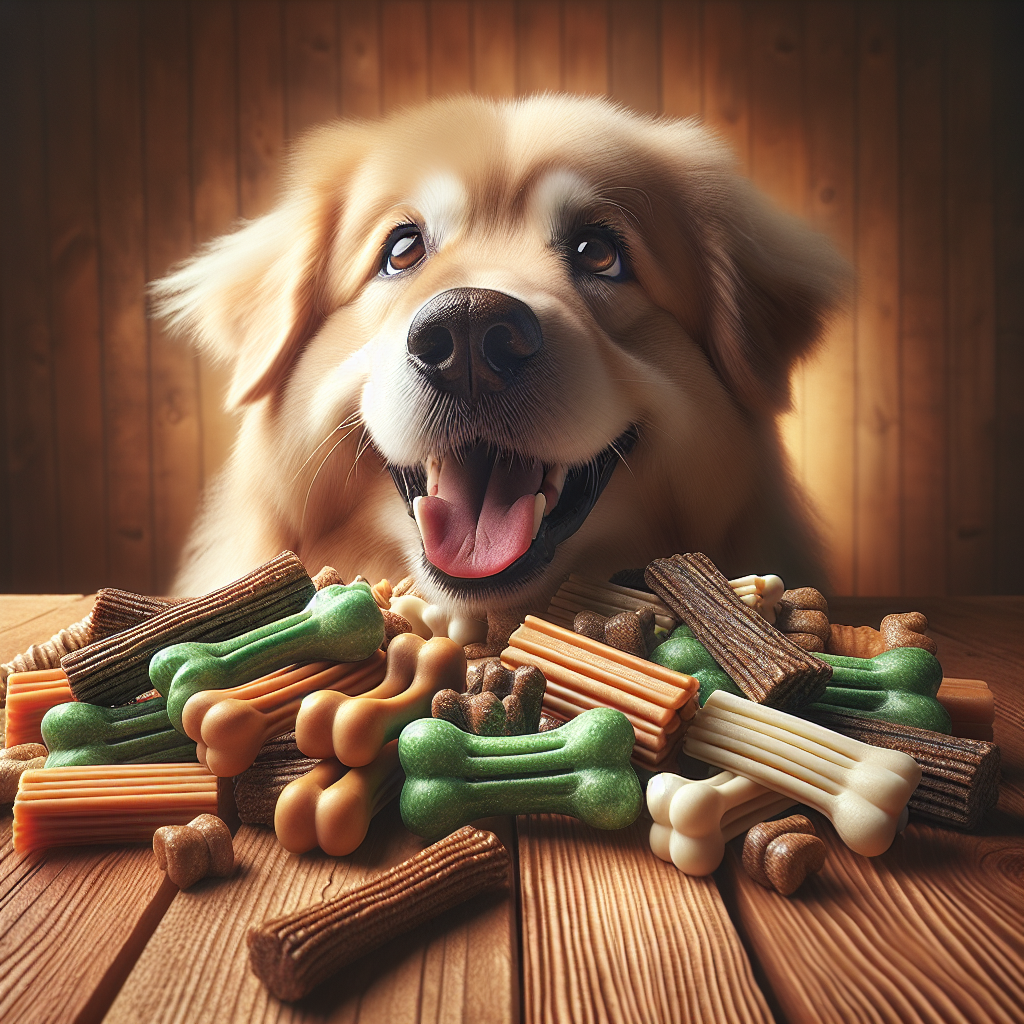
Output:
[[14, 762], [194, 851], [292, 954], [780, 854], [905, 629], [353, 729], [497, 701], [694, 819], [331, 806], [230, 726], [862, 789]]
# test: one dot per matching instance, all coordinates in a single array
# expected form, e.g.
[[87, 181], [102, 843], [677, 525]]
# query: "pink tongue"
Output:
[[481, 519]]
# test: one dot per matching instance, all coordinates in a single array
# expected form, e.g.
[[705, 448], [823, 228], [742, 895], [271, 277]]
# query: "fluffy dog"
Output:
[[492, 343]]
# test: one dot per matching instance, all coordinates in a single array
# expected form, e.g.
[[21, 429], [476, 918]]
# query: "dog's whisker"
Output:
[[349, 421], [309, 490]]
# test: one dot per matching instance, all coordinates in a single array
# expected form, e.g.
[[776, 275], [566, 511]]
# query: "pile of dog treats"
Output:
[[315, 703]]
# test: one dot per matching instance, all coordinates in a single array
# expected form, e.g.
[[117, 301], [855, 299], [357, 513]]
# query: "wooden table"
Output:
[[595, 928]]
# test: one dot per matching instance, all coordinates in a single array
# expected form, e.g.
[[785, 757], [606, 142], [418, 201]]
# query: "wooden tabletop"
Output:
[[595, 928]]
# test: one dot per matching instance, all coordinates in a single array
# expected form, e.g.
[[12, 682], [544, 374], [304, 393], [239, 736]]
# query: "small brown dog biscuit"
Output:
[[191, 852], [788, 860]]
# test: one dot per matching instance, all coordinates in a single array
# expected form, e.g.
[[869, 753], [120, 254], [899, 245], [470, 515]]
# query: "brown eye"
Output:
[[403, 250], [594, 251]]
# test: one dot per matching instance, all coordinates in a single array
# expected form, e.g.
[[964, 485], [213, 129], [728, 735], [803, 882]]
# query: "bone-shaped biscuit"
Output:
[[230, 726], [191, 852], [694, 819], [353, 729], [340, 623], [862, 789], [581, 769], [331, 806]]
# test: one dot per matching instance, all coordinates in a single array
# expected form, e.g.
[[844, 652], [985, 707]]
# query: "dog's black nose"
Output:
[[473, 341]]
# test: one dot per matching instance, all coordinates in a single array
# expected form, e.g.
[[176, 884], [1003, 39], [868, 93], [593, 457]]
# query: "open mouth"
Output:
[[490, 522]]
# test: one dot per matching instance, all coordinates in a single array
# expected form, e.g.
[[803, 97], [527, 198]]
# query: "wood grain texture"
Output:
[[930, 931], [460, 967], [360, 59], [311, 65], [538, 47], [27, 620], [612, 934], [450, 68], [403, 38], [682, 73], [634, 54], [726, 78], [494, 47], [585, 46], [72, 922]]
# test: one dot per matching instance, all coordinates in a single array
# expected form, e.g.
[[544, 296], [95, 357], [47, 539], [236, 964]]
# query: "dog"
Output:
[[492, 343]]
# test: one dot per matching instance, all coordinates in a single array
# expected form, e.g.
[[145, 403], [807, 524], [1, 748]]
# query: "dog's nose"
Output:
[[473, 341]]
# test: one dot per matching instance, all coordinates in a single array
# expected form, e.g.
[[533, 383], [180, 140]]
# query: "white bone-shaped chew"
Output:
[[762, 593], [862, 789], [694, 819]]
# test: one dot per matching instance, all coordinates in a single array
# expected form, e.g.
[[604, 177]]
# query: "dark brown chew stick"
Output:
[[116, 669], [764, 664], [118, 610], [959, 777], [258, 787], [292, 954]]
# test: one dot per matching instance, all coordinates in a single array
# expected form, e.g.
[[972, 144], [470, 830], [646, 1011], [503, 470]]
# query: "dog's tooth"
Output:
[[551, 486], [417, 504], [433, 474], [539, 504]]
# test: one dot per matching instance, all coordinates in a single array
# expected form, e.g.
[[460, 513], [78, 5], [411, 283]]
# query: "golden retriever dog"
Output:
[[492, 343]]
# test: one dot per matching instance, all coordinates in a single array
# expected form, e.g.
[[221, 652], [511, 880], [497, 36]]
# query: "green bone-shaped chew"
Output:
[[340, 623], [581, 768], [78, 733], [896, 686]]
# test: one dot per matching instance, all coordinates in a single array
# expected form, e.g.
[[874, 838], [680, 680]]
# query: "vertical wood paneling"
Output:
[[311, 64], [635, 54], [404, 48], [971, 299], [122, 246], [726, 101], [877, 326], [682, 72], [259, 24], [215, 199], [922, 302], [585, 46], [174, 385], [495, 52], [360, 59], [31, 491], [74, 291], [1008, 130], [829, 424], [449, 44], [539, 49]]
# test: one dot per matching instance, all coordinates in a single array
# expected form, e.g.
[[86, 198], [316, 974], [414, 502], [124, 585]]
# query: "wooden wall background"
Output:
[[131, 132]]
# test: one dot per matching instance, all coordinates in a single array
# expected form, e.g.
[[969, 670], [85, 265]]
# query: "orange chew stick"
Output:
[[29, 696]]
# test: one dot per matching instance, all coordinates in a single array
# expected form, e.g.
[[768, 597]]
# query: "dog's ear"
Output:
[[771, 285], [253, 298]]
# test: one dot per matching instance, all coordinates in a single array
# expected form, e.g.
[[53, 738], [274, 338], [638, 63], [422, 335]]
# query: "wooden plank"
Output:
[[174, 410], [494, 47], [923, 334], [1008, 173], [682, 56], [829, 375], [215, 188], [877, 501], [32, 619], [33, 560], [585, 47], [311, 64], [460, 966], [612, 934], [930, 931], [450, 69], [634, 54], [260, 103], [538, 47], [72, 923], [971, 299], [726, 85], [122, 246], [360, 59], [403, 37]]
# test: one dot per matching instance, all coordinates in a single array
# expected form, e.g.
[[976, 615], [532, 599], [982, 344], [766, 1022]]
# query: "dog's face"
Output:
[[553, 332]]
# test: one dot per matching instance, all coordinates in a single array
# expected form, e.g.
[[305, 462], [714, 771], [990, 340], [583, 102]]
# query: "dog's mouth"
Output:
[[492, 522]]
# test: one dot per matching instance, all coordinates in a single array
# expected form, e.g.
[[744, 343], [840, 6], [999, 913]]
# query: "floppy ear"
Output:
[[254, 298], [771, 285]]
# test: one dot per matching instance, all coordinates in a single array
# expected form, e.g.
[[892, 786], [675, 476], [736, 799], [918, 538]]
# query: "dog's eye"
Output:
[[404, 249], [594, 251]]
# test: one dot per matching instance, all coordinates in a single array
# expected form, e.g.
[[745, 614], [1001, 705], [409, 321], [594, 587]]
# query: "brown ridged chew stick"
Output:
[[116, 669], [118, 610], [292, 954], [959, 777], [768, 667]]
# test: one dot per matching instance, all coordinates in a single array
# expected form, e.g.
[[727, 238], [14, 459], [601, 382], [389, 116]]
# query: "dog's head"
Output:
[[511, 300]]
